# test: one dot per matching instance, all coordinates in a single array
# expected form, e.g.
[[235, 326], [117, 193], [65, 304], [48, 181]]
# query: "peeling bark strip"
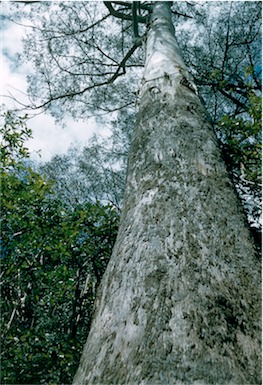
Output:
[[180, 299]]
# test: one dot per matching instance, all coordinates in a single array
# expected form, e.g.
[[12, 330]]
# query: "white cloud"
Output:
[[48, 138], [53, 139]]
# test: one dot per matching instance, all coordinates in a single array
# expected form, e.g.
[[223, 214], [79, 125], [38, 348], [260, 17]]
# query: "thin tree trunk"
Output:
[[180, 300]]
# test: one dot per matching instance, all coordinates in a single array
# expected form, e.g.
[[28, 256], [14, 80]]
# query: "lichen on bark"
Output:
[[180, 300]]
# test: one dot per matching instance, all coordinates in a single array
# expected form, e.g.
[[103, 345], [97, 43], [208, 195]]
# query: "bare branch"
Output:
[[227, 42], [26, 2], [72, 94], [232, 98], [129, 5], [182, 14], [120, 15], [123, 62]]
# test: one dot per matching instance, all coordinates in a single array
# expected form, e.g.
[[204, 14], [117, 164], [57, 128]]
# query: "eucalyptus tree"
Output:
[[180, 299], [81, 70]]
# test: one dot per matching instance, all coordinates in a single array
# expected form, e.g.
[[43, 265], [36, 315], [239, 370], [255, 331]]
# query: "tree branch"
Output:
[[232, 98], [227, 43], [124, 60], [135, 28], [129, 5], [182, 14], [123, 16], [75, 93], [26, 2]]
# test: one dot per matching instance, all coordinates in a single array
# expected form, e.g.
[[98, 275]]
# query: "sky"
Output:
[[49, 138]]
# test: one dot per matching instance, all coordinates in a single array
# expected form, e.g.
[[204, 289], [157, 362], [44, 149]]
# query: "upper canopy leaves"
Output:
[[82, 50]]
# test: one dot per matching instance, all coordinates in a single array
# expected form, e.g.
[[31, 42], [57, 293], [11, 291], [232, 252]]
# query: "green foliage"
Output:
[[244, 140], [241, 141], [14, 133], [52, 261]]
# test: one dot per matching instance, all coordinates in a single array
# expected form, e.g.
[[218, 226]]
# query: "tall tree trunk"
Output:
[[180, 299]]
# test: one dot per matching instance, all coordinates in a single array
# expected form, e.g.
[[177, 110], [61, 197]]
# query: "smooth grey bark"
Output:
[[180, 300]]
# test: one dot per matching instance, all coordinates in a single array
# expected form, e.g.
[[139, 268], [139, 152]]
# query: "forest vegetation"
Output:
[[60, 219]]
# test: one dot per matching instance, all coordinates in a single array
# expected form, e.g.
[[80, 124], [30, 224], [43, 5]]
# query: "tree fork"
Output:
[[121, 15], [180, 300]]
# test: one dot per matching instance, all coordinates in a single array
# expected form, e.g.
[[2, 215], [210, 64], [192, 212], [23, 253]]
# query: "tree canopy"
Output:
[[82, 70]]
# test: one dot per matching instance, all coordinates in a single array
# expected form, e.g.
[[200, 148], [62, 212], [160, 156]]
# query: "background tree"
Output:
[[52, 261], [94, 173]]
